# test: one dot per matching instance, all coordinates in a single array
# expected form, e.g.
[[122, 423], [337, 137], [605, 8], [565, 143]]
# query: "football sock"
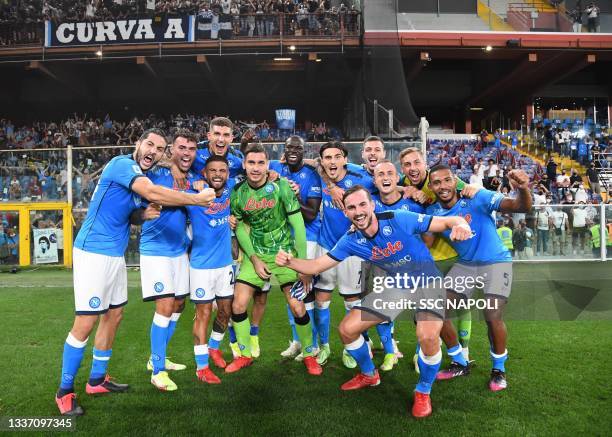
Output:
[[322, 316], [99, 365], [254, 330], [310, 309], [215, 339], [242, 326], [304, 330], [456, 354], [360, 351], [71, 361], [232, 334], [294, 334], [172, 326], [159, 341], [384, 332], [499, 360], [464, 327], [429, 366], [201, 355]]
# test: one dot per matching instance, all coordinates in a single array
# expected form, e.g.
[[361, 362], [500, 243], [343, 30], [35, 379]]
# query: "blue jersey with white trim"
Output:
[[401, 204], [485, 246], [396, 247], [166, 235], [334, 223], [106, 228], [234, 158], [310, 187], [211, 247]]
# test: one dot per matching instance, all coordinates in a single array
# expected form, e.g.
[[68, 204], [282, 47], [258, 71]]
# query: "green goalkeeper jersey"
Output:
[[265, 210]]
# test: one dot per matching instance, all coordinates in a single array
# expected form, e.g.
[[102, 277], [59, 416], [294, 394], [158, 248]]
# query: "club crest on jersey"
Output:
[[302, 175], [269, 188], [387, 230], [95, 302], [158, 287], [200, 293], [463, 204], [379, 253], [348, 183], [253, 204]]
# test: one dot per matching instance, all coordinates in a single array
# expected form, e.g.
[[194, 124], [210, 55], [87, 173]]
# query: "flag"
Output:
[[213, 26]]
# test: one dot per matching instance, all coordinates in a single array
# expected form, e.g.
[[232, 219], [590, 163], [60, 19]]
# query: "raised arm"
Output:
[[167, 197], [522, 203], [460, 229]]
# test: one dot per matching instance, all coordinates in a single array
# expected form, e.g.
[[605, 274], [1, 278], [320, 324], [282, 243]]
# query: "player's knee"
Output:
[[114, 316], [347, 332], [239, 307], [203, 310], [297, 307], [179, 305], [82, 327]]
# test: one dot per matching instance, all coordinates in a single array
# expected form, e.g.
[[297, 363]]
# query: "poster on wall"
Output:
[[45, 246]]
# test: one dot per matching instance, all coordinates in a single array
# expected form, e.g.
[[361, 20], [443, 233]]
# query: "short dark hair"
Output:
[[222, 122], [353, 190], [153, 130], [187, 134], [255, 148], [374, 138], [44, 239], [333, 145], [295, 139], [439, 167], [216, 158]]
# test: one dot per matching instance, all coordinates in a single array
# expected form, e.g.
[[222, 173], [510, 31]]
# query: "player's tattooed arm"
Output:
[[460, 229], [305, 266], [519, 180]]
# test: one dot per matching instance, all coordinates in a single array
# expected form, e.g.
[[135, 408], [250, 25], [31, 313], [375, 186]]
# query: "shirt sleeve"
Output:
[[342, 249], [288, 197], [412, 222], [124, 172], [488, 201]]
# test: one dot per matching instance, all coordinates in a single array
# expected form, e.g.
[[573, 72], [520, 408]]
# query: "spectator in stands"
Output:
[[575, 178], [576, 17], [592, 12], [543, 224], [563, 184], [580, 194], [560, 232], [593, 176], [596, 238], [491, 171], [505, 235], [579, 228], [551, 169]]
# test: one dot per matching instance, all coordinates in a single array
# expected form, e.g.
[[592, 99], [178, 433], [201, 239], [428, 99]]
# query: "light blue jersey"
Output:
[[106, 228], [334, 223], [166, 235], [212, 238], [397, 246], [485, 247], [401, 204], [234, 158], [310, 187]]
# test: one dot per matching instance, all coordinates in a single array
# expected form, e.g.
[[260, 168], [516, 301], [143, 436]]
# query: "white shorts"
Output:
[[311, 249], [100, 282], [164, 276], [207, 285], [347, 275]]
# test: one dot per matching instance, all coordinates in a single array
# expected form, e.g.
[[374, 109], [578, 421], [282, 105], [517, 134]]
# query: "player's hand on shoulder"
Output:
[[273, 176], [336, 195], [283, 259], [199, 185], [518, 179], [152, 211], [205, 197], [461, 232], [420, 197], [470, 191], [295, 187], [408, 192], [180, 179]]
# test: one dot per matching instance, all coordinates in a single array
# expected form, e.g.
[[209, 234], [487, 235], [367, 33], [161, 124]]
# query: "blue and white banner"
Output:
[[129, 31], [285, 119], [213, 26]]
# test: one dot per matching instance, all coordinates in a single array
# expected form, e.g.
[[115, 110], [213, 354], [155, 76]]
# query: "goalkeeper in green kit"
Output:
[[271, 210]]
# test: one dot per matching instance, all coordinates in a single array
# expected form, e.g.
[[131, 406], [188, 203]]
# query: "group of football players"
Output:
[[218, 223]]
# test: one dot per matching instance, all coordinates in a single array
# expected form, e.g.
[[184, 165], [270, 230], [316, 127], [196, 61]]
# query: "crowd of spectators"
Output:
[[21, 21]]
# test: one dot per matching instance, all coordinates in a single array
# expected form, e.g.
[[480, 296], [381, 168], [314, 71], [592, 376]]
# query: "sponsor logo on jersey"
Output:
[[387, 230], [95, 302], [158, 287], [379, 253], [217, 207], [362, 241], [421, 218], [253, 205], [137, 169]]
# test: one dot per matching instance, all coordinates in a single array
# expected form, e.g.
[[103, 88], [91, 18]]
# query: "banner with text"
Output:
[[128, 31], [285, 119]]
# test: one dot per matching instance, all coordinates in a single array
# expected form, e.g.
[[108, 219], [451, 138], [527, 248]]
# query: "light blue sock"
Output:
[[456, 355], [322, 316], [294, 333], [361, 352], [215, 339], [311, 313], [384, 332], [201, 356], [499, 361], [159, 341], [429, 367], [174, 318], [71, 361], [99, 364]]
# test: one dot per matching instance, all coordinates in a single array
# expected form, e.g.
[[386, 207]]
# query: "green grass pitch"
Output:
[[558, 371]]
